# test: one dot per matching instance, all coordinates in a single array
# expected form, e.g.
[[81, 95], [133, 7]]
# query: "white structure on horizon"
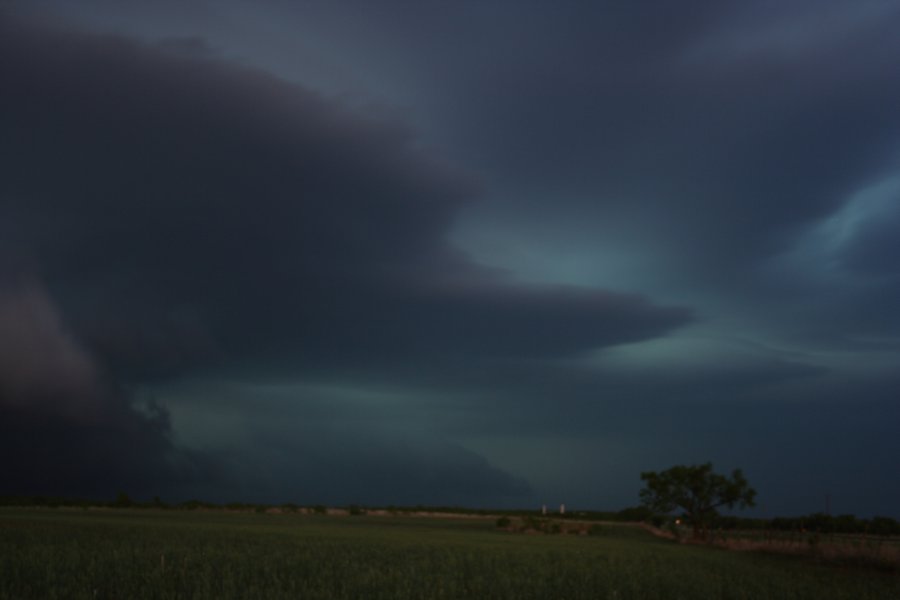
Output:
[[562, 509]]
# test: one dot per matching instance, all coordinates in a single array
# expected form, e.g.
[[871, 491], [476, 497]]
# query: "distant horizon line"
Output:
[[638, 513]]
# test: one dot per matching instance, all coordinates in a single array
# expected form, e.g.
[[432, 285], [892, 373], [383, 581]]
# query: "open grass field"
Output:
[[72, 553]]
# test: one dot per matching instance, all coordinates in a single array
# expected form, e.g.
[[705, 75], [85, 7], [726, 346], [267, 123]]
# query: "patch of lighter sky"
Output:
[[701, 347], [558, 248], [729, 332], [720, 338], [865, 206], [707, 348], [724, 335], [818, 252], [527, 260], [206, 413], [586, 472], [788, 31]]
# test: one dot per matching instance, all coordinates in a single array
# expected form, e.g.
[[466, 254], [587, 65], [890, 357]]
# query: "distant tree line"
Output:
[[817, 522]]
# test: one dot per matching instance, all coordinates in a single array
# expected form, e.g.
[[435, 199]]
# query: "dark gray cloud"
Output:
[[115, 449], [183, 213], [357, 465], [211, 232], [65, 428], [712, 146], [34, 343], [182, 184]]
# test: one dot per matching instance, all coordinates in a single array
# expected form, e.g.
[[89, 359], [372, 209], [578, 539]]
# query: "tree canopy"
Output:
[[697, 490]]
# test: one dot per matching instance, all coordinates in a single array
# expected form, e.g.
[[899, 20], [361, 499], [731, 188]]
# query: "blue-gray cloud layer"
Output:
[[182, 213], [737, 161]]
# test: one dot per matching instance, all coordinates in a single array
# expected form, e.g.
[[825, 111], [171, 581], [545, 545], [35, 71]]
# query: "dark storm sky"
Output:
[[481, 253]]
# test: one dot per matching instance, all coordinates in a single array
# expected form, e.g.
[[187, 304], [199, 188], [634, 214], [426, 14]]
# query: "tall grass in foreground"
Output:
[[129, 554]]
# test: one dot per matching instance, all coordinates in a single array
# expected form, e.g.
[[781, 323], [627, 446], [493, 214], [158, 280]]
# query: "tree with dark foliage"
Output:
[[698, 491]]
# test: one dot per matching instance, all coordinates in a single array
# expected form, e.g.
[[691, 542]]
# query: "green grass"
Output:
[[70, 553]]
